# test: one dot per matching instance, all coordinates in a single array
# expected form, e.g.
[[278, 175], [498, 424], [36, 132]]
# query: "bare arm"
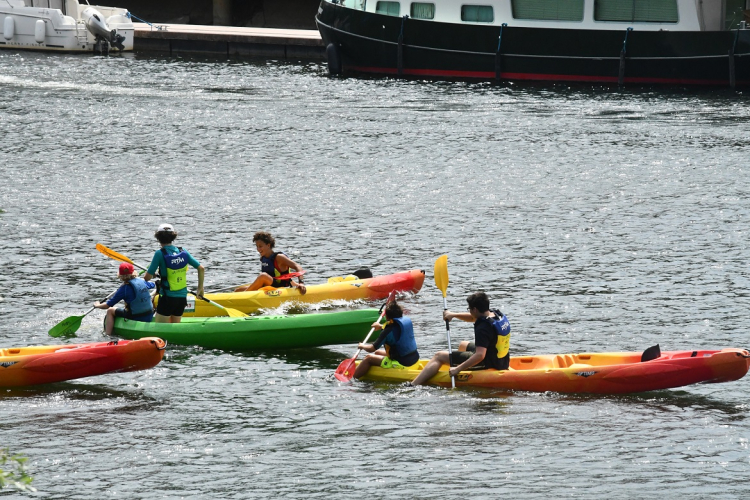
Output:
[[201, 271], [463, 316], [475, 359]]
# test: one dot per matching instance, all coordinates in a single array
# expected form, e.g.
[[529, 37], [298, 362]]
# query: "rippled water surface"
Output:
[[597, 219]]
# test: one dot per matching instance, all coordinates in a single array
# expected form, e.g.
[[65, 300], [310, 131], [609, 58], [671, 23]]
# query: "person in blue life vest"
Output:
[[135, 292], [397, 338], [273, 265], [172, 263], [491, 346]]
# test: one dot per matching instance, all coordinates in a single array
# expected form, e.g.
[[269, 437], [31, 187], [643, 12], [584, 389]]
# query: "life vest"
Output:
[[141, 304], [502, 328], [177, 265], [401, 341], [268, 266]]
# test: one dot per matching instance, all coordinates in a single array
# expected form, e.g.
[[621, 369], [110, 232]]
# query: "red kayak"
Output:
[[22, 366], [596, 373]]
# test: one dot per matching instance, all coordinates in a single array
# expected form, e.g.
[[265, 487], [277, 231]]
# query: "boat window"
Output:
[[477, 13], [388, 8], [422, 10], [548, 10], [636, 11], [735, 10]]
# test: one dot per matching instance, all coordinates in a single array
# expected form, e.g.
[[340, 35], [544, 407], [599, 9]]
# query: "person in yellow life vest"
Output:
[[491, 346], [172, 263], [397, 338], [273, 266]]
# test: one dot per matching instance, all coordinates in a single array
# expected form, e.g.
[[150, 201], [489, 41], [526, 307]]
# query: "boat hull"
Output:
[[24, 366], [375, 288], [258, 332], [595, 373], [369, 43]]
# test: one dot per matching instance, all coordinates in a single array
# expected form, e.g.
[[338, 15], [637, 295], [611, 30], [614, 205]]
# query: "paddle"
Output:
[[441, 281], [233, 313], [71, 324], [345, 371]]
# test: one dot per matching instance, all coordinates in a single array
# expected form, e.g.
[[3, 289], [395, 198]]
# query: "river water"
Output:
[[597, 219]]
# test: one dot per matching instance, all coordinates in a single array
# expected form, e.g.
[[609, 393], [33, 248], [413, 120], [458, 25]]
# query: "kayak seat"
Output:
[[563, 361]]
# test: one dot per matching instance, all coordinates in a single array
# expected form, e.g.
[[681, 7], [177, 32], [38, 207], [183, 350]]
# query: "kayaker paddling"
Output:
[[273, 266], [135, 292], [172, 263], [397, 338], [491, 346]]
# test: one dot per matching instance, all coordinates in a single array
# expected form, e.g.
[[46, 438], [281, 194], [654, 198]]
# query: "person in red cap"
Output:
[[135, 292]]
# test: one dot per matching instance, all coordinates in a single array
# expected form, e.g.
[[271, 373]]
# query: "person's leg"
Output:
[[264, 279], [365, 364], [463, 345], [109, 320], [160, 318], [432, 367]]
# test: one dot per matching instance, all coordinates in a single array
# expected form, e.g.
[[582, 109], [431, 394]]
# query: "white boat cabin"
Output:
[[58, 24], [651, 15]]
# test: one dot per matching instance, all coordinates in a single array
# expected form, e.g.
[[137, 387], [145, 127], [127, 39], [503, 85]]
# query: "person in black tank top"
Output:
[[273, 265]]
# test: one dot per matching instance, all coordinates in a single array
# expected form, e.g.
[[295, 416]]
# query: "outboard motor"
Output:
[[96, 24]]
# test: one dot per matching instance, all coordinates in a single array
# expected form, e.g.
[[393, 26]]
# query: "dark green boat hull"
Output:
[[257, 332]]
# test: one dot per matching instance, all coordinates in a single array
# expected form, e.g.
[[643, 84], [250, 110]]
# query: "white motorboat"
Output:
[[64, 25]]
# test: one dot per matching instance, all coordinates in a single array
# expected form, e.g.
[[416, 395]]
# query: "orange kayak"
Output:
[[597, 373], [338, 288], [22, 366]]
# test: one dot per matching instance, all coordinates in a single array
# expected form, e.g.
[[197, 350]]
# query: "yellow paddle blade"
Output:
[[112, 254], [234, 313], [441, 274]]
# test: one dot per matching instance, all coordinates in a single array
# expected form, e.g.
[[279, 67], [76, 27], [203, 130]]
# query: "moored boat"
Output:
[[64, 25], [257, 332], [609, 41], [597, 373], [23, 366], [338, 288]]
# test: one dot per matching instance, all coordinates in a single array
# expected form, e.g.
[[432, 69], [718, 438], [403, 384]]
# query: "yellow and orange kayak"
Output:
[[22, 366], [339, 288], [597, 373]]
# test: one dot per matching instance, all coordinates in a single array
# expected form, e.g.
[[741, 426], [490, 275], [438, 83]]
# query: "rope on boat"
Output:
[[153, 26], [621, 76], [732, 80], [498, 67], [400, 54]]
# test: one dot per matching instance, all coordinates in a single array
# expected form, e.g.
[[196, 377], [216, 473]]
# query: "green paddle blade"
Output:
[[67, 327], [441, 274]]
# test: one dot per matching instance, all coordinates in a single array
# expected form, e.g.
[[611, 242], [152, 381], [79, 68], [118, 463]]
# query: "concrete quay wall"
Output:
[[228, 41]]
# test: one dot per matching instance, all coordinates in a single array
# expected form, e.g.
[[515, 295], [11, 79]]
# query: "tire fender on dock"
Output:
[[334, 59]]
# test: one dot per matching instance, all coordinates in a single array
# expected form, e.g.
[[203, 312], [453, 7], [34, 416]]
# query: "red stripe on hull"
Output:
[[490, 75]]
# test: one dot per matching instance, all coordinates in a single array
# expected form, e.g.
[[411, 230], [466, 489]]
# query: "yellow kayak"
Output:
[[338, 288]]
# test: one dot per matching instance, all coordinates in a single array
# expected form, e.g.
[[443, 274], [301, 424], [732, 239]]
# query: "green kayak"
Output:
[[257, 332]]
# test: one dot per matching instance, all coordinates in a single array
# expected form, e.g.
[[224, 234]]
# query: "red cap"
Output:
[[126, 269]]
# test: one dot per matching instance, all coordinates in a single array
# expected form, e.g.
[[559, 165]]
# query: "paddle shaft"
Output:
[[448, 335], [380, 318]]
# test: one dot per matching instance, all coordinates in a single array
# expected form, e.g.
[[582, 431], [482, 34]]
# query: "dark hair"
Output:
[[480, 301], [165, 237], [265, 238], [393, 310]]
